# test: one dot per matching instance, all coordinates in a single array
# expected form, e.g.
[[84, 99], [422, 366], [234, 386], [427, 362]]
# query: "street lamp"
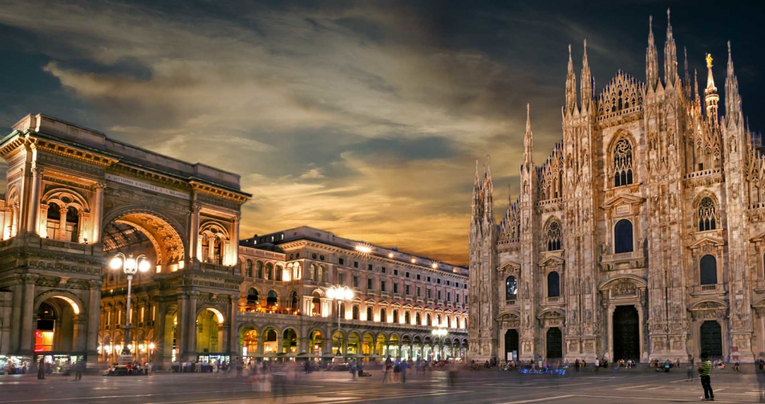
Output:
[[130, 266], [341, 294]]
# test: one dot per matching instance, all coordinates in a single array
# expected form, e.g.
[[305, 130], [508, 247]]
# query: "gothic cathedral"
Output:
[[642, 236]]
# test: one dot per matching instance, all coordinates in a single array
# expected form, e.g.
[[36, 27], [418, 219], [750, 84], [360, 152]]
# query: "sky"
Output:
[[362, 118]]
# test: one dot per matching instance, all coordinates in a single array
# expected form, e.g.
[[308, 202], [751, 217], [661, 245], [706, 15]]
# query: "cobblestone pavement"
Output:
[[487, 386]]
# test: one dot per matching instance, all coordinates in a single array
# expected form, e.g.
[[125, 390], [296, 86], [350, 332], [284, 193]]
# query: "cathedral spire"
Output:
[[586, 84], [670, 56], [488, 194], [477, 198], [696, 89], [710, 93], [651, 60], [570, 85], [687, 78], [528, 142], [732, 96]]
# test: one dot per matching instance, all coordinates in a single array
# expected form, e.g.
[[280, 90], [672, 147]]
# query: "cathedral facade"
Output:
[[641, 236]]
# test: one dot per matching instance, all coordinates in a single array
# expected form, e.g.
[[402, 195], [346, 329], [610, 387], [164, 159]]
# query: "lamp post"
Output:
[[130, 266], [341, 294]]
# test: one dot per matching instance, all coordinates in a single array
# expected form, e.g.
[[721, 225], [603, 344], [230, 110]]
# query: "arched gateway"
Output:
[[76, 198]]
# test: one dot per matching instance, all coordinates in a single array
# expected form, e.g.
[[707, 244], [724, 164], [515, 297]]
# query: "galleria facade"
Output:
[[75, 198], [641, 236]]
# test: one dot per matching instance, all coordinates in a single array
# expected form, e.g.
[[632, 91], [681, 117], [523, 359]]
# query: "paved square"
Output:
[[612, 386]]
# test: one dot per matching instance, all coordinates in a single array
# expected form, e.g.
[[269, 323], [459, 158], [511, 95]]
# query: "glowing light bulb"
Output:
[[116, 263], [144, 265]]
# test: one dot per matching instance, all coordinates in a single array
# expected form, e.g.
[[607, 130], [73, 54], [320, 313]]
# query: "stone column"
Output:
[[610, 332], [180, 326], [27, 314], [223, 336], [79, 339], [97, 210], [17, 291], [159, 334], [42, 222], [190, 332], [194, 245], [233, 336], [233, 245], [279, 342], [34, 200], [94, 316]]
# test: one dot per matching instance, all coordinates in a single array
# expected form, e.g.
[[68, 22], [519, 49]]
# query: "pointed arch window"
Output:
[[511, 288], [623, 163], [707, 214], [553, 236], [708, 270]]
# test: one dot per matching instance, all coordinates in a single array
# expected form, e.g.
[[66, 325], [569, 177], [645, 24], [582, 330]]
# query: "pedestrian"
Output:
[[576, 365], [78, 367], [353, 369], [387, 367], [403, 365], [41, 369], [597, 365], [705, 370], [690, 369]]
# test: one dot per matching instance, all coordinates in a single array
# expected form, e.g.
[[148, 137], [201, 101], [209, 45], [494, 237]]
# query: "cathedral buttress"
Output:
[[529, 248], [482, 333], [736, 204]]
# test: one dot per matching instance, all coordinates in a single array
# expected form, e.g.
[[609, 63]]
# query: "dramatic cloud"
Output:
[[360, 118]]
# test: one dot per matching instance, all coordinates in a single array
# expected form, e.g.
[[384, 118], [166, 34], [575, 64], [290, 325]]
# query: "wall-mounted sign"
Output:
[[146, 186]]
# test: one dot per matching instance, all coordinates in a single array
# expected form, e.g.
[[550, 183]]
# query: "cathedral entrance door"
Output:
[[711, 339], [554, 343], [511, 344], [626, 333]]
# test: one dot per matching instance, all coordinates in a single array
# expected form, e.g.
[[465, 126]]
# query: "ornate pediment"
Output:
[[510, 268], [707, 243], [623, 199], [709, 305], [552, 261], [759, 238]]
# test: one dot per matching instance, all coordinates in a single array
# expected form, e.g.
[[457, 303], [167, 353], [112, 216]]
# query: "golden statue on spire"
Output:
[[709, 60]]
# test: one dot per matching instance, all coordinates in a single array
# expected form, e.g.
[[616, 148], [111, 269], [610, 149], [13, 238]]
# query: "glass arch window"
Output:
[[252, 296], [511, 288], [708, 270], [553, 284], [553, 236], [622, 163], [707, 214], [623, 241]]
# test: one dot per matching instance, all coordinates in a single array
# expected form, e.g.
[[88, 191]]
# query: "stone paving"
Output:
[[487, 386]]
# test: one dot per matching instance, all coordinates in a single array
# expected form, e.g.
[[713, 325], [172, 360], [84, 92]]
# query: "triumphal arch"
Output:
[[74, 198]]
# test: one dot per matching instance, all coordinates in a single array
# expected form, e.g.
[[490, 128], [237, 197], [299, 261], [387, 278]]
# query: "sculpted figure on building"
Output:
[[640, 237]]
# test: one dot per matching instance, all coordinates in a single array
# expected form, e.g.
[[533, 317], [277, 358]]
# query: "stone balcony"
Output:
[[718, 289], [628, 260]]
